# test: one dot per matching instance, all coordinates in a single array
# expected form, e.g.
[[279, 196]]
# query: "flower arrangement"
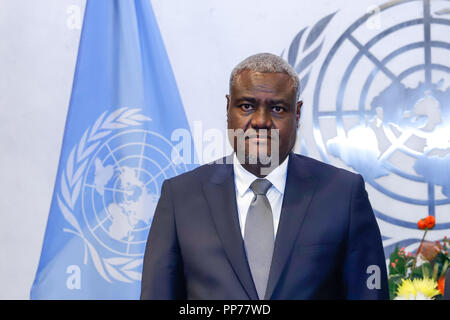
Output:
[[420, 276]]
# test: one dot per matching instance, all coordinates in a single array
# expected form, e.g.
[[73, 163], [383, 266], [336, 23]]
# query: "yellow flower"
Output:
[[417, 289]]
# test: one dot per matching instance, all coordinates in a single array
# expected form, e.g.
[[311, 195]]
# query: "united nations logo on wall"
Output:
[[381, 106], [114, 176]]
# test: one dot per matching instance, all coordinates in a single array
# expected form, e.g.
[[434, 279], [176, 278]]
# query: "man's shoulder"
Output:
[[321, 169], [311, 166], [202, 172]]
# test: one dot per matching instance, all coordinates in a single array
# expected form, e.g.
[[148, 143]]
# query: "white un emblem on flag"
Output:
[[114, 175]]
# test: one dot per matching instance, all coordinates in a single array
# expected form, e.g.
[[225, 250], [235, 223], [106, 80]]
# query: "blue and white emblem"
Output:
[[381, 106], [113, 176]]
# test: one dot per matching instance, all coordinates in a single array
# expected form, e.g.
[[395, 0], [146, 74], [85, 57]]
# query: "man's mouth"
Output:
[[258, 136], [259, 139]]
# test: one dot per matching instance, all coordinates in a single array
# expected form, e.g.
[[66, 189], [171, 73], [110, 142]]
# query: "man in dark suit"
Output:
[[267, 223]]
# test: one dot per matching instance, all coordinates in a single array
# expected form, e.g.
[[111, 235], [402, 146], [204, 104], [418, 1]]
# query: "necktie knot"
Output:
[[260, 186]]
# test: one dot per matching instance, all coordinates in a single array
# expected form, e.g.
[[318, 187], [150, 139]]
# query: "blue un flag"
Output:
[[117, 151]]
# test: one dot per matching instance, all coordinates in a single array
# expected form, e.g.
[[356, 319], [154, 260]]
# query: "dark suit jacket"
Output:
[[327, 239], [447, 286]]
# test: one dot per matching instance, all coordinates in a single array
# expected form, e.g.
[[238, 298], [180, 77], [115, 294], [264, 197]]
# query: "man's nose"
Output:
[[261, 119]]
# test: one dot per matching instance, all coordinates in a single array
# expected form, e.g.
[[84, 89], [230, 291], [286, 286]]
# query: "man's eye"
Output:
[[277, 109], [246, 107]]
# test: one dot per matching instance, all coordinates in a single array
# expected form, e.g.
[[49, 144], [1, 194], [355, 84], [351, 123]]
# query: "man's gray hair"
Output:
[[267, 63]]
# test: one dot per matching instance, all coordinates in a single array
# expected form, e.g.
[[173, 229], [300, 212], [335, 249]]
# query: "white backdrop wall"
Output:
[[204, 39]]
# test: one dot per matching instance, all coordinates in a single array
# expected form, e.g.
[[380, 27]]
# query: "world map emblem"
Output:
[[113, 177], [381, 107]]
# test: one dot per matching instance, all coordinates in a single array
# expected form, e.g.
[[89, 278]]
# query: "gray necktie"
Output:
[[259, 236]]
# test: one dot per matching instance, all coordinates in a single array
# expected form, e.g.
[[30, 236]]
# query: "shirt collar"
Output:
[[244, 178]]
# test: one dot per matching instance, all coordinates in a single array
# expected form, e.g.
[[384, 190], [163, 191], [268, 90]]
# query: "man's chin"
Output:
[[257, 159]]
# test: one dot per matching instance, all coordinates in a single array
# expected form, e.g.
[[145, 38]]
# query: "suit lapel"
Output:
[[299, 190], [221, 196]]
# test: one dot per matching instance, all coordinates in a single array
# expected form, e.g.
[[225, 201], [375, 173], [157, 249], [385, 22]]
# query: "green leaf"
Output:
[[419, 272], [399, 262], [426, 270], [394, 281], [444, 268], [435, 271]]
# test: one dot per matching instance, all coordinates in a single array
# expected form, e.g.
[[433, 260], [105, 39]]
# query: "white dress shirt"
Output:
[[244, 195]]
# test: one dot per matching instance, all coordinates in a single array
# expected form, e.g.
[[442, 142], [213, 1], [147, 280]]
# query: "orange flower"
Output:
[[421, 224], [430, 221], [426, 223], [441, 284]]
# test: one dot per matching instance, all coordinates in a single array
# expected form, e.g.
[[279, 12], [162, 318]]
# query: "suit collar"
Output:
[[223, 170], [221, 197], [300, 188], [243, 178]]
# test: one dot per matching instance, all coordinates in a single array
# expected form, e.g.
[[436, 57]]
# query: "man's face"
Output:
[[263, 101]]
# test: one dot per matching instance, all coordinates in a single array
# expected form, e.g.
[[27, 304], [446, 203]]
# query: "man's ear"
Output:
[[298, 112], [228, 102]]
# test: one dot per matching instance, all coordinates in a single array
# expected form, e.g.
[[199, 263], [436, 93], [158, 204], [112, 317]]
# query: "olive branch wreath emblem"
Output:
[[305, 48], [118, 268]]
